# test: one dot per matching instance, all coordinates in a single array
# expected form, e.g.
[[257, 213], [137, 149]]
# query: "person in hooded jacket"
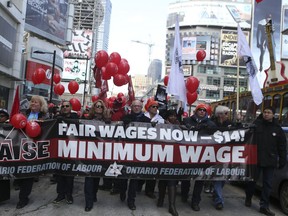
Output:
[[199, 121], [271, 154]]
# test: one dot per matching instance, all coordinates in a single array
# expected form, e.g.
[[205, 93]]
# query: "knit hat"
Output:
[[151, 103], [201, 106]]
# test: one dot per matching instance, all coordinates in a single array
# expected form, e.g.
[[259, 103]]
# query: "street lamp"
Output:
[[53, 68]]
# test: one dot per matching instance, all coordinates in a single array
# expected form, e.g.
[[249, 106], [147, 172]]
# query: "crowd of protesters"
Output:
[[269, 138]]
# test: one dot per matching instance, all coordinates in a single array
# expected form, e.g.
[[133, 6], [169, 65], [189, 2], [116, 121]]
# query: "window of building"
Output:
[[213, 81], [212, 94]]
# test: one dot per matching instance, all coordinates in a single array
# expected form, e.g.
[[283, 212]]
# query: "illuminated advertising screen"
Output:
[[211, 13], [48, 19], [228, 48], [190, 46]]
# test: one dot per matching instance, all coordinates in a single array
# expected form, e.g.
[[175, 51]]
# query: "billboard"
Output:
[[48, 19], [228, 48], [190, 46], [7, 43], [32, 66], [262, 13], [81, 45], [284, 53], [211, 13], [75, 69]]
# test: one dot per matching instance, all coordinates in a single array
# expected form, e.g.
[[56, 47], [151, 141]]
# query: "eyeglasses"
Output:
[[65, 106], [154, 107], [201, 109], [1, 116], [99, 106]]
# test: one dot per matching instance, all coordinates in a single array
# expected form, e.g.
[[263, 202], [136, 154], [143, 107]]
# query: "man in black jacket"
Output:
[[271, 152], [136, 111], [65, 183], [198, 121]]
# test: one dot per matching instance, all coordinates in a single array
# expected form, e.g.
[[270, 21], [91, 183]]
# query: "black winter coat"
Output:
[[271, 143], [196, 123]]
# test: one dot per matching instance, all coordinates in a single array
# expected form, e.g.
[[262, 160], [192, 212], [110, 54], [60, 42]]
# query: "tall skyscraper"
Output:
[[155, 70]]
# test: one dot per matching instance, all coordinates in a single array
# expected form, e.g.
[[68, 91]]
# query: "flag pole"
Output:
[[237, 86]]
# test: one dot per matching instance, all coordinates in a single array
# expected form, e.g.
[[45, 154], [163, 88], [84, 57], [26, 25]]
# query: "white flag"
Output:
[[176, 84], [245, 52]]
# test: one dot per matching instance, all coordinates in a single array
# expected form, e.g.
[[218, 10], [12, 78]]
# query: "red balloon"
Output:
[[191, 97], [111, 68], [56, 78], [34, 79], [119, 80], [101, 58], [126, 79], [33, 129], [115, 57], [73, 87], [59, 89], [120, 94], [40, 75], [123, 67], [94, 98], [123, 59], [19, 120], [105, 75], [112, 98], [200, 55], [166, 79], [75, 103], [192, 84]]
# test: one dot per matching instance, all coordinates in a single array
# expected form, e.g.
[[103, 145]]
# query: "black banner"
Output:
[[140, 150]]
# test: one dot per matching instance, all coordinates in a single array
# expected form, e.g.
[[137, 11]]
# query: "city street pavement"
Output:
[[109, 205]]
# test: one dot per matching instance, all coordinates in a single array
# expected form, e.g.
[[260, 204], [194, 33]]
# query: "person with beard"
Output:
[[271, 154], [136, 111], [65, 183], [198, 121]]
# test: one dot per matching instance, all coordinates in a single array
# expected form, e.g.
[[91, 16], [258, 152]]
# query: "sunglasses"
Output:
[[65, 106], [99, 106], [154, 107], [201, 109], [1, 116]]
